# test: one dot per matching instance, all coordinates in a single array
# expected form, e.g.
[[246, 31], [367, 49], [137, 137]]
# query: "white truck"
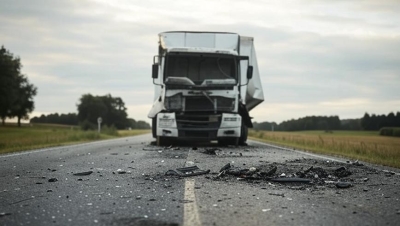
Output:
[[205, 85]]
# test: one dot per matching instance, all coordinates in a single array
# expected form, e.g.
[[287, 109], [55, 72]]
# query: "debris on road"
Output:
[[83, 173], [52, 180], [226, 167], [4, 214], [342, 172], [291, 180], [211, 151], [343, 184], [120, 171], [187, 171], [310, 173], [357, 163]]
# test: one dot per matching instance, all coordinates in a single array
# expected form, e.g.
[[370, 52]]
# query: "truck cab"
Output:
[[201, 83]]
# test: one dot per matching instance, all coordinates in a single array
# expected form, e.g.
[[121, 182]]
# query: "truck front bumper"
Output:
[[229, 125]]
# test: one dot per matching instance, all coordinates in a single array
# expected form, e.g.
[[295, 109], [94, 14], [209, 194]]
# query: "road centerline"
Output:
[[190, 214]]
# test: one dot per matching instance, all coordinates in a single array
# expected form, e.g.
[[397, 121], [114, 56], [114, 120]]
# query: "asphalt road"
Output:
[[126, 185]]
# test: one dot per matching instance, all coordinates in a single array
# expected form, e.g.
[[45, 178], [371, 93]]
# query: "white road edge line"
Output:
[[55, 148], [190, 213]]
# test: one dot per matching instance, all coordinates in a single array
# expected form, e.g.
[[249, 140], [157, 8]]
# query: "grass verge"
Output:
[[35, 136], [364, 146]]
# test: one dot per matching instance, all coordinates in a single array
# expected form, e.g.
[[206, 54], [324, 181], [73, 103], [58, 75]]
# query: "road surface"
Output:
[[123, 182]]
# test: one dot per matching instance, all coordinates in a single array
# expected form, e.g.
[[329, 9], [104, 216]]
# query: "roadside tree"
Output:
[[16, 93]]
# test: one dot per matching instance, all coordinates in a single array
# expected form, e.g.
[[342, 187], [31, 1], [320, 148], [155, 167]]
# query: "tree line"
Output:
[[16, 93], [110, 109], [376, 122], [367, 122]]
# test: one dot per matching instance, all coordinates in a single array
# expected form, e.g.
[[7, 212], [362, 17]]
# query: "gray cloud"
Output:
[[312, 56]]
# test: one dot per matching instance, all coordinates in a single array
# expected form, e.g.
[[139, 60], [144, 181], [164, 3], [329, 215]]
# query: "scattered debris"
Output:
[[83, 173], [120, 171], [291, 180], [226, 167], [342, 172], [187, 171], [343, 184], [211, 151], [4, 214], [277, 194], [357, 163], [52, 180]]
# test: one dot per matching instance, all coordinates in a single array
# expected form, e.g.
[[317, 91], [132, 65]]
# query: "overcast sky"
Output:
[[323, 57]]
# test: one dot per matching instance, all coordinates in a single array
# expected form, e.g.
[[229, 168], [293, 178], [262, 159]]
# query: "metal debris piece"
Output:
[[277, 194], [271, 172], [187, 171], [4, 214], [226, 167], [120, 171], [343, 184], [357, 163], [83, 173], [211, 151], [342, 172], [53, 180], [290, 180]]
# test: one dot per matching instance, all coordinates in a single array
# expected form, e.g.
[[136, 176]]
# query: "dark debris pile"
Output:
[[289, 172]]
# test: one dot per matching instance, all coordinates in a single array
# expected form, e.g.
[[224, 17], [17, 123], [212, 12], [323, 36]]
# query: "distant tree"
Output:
[[16, 93], [397, 120], [23, 104], [366, 121], [268, 126], [142, 125], [351, 124], [64, 119], [111, 110]]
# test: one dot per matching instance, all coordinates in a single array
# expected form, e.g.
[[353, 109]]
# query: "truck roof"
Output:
[[210, 41]]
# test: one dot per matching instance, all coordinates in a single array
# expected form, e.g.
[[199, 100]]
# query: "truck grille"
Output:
[[199, 126], [199, 103]]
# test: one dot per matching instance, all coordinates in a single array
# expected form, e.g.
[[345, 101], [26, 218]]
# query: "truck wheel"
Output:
[[234, 141], [154, 127], [229, 141], [160, 141], [243, 135]]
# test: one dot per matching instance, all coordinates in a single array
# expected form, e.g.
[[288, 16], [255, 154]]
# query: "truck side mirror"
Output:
[[155, 71], [249, 72]]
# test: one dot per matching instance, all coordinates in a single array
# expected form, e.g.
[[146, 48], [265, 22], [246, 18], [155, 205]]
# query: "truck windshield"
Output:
[[200, 67]]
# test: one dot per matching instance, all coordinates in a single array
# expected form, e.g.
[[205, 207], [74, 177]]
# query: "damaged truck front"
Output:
[[205, 85]]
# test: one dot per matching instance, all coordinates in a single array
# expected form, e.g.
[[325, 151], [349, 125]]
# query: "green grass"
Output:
[[362, 145], [34, 136]]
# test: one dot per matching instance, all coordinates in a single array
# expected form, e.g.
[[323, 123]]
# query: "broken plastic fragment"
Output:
[[187, 172], [4, 214], [53, 180], [343, 184], [290, 179], [227, 166], [83, 173]]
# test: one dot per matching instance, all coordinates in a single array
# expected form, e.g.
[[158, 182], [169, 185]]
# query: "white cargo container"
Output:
[[205, 85]]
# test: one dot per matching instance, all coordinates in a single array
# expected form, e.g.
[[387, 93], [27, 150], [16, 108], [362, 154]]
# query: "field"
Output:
[[34, 136], [356, 145]]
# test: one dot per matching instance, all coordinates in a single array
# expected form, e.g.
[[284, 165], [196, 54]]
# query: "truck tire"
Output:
[[160, 141], [154, 127], [243, 135], [229, 141]]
